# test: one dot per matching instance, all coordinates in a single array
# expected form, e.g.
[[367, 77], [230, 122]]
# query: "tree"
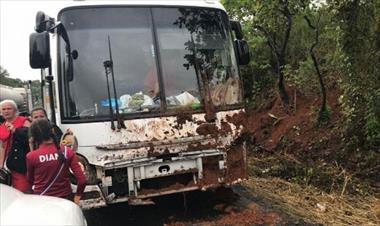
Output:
[[3, 72], [323, 111], [35, 87], [359, 25], [6, 80], [274, 20]]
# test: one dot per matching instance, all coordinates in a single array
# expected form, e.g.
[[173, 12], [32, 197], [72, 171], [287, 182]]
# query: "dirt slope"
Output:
[[272, 127]]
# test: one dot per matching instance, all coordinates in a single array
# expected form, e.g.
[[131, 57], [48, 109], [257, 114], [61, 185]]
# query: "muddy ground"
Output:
[[236, 205]]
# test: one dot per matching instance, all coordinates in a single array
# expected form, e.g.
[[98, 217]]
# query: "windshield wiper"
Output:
[[109, 65]]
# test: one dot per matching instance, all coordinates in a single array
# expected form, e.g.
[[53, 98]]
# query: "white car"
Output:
[[17, 208]]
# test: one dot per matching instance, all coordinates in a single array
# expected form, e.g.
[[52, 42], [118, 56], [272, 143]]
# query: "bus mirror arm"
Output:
[[49, 79], [44, 22], [236, 27]]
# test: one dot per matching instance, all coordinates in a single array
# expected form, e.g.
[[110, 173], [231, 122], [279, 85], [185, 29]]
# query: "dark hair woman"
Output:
[[40, 113], [48, 165]]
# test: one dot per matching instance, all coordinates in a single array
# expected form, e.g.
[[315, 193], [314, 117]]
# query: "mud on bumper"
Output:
[[136, 182]]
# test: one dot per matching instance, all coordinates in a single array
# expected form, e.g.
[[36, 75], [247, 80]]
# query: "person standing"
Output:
[[40, 113], [8, 128], [48, 165], [66, 138]]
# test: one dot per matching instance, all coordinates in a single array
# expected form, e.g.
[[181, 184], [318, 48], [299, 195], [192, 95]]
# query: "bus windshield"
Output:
[[163, 58]]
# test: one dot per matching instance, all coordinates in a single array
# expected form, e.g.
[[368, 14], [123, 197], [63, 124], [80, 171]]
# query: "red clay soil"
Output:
[[296, 124], [235, 161], [232, 215], [252, 215]]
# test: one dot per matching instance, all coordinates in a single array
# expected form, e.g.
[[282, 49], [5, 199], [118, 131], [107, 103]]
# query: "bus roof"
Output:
[[60, 5]]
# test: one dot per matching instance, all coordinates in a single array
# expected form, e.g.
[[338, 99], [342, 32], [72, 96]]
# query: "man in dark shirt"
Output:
[[40, 113], [68, 136]]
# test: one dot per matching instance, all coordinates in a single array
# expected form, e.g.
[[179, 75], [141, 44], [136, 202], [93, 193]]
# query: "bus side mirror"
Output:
[[236, 27], [242, 51], [39, 50]]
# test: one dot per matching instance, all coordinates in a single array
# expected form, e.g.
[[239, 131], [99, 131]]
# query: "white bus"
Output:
[[151, 90]]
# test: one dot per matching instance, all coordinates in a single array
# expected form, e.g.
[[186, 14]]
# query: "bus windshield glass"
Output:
[[163, 59]]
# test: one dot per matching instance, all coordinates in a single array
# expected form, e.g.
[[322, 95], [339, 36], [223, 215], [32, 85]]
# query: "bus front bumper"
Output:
[[137, 182]]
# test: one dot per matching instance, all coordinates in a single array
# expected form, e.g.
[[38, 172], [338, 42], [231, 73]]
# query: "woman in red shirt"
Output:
[[48, 165], [7, 128]]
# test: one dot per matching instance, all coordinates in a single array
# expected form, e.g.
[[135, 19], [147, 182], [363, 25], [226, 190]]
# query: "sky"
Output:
[[17, 21]]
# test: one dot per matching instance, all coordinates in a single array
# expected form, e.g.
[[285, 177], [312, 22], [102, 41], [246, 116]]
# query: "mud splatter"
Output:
[[208, 129], [199, 146], [182, 117], [239, 119], [225, 128], [166, 184], [211, 171], [236, 159]]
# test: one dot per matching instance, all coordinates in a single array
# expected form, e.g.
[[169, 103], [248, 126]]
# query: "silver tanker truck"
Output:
[[19, 95]]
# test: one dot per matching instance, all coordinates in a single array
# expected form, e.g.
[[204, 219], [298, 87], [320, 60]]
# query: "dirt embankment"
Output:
[[287, 144], [296, 124], [287, 141]]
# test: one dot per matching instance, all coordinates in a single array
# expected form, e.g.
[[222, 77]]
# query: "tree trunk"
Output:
[[281, 83], [281, 55], [279, 49], [323, 109]]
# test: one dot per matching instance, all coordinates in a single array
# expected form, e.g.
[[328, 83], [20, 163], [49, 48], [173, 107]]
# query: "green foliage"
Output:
[[304, 77], [36, 92], [348, 52], [359, 39], [260, 75], [3, 72], [35, 85], [6, 80], [300, 42], [324, 116], [372, 130]]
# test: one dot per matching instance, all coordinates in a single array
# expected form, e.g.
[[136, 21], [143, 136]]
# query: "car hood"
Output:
[[28, 210]]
